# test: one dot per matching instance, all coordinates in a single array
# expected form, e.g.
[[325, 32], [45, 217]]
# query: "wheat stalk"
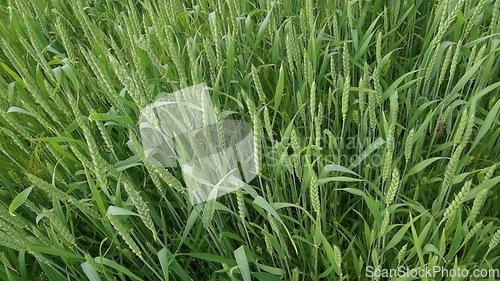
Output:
[[378, 47], [461, 128], [444, 66], [258, 85], [388, 153], [312, 101], [471, 20], [455, 60], [295, 274], [495, 18], [409, 145], [480, 55], [490, 172], [67, 237], [313, 190], [318, 121], [124, 233], [393, 188], [472, 232], [450, 211], [495, 239], [141, 206], [385, 224], [402, 253], [347, 81], [478, 204]]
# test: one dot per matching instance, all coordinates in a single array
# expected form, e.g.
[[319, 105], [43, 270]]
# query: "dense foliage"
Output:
[[376, 123]]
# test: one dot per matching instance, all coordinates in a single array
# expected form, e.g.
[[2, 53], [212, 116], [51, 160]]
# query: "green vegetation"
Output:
[[377, 124]]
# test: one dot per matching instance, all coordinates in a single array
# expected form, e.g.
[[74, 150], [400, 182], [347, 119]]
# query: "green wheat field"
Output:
[[376, 124]]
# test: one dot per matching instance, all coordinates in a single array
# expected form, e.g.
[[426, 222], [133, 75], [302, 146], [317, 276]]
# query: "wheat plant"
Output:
[[376, 137]]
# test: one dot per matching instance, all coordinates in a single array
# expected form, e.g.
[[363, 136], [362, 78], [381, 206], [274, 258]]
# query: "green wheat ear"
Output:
[[472, 232], [347, 81], [393, 188], [313, 190], [409, 145], [495, 239], [141, 206], [402, 253], [124, 233], [450, 211]]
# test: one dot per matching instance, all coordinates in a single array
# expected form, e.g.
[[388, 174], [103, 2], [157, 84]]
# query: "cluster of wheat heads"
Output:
[[376, 138]]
